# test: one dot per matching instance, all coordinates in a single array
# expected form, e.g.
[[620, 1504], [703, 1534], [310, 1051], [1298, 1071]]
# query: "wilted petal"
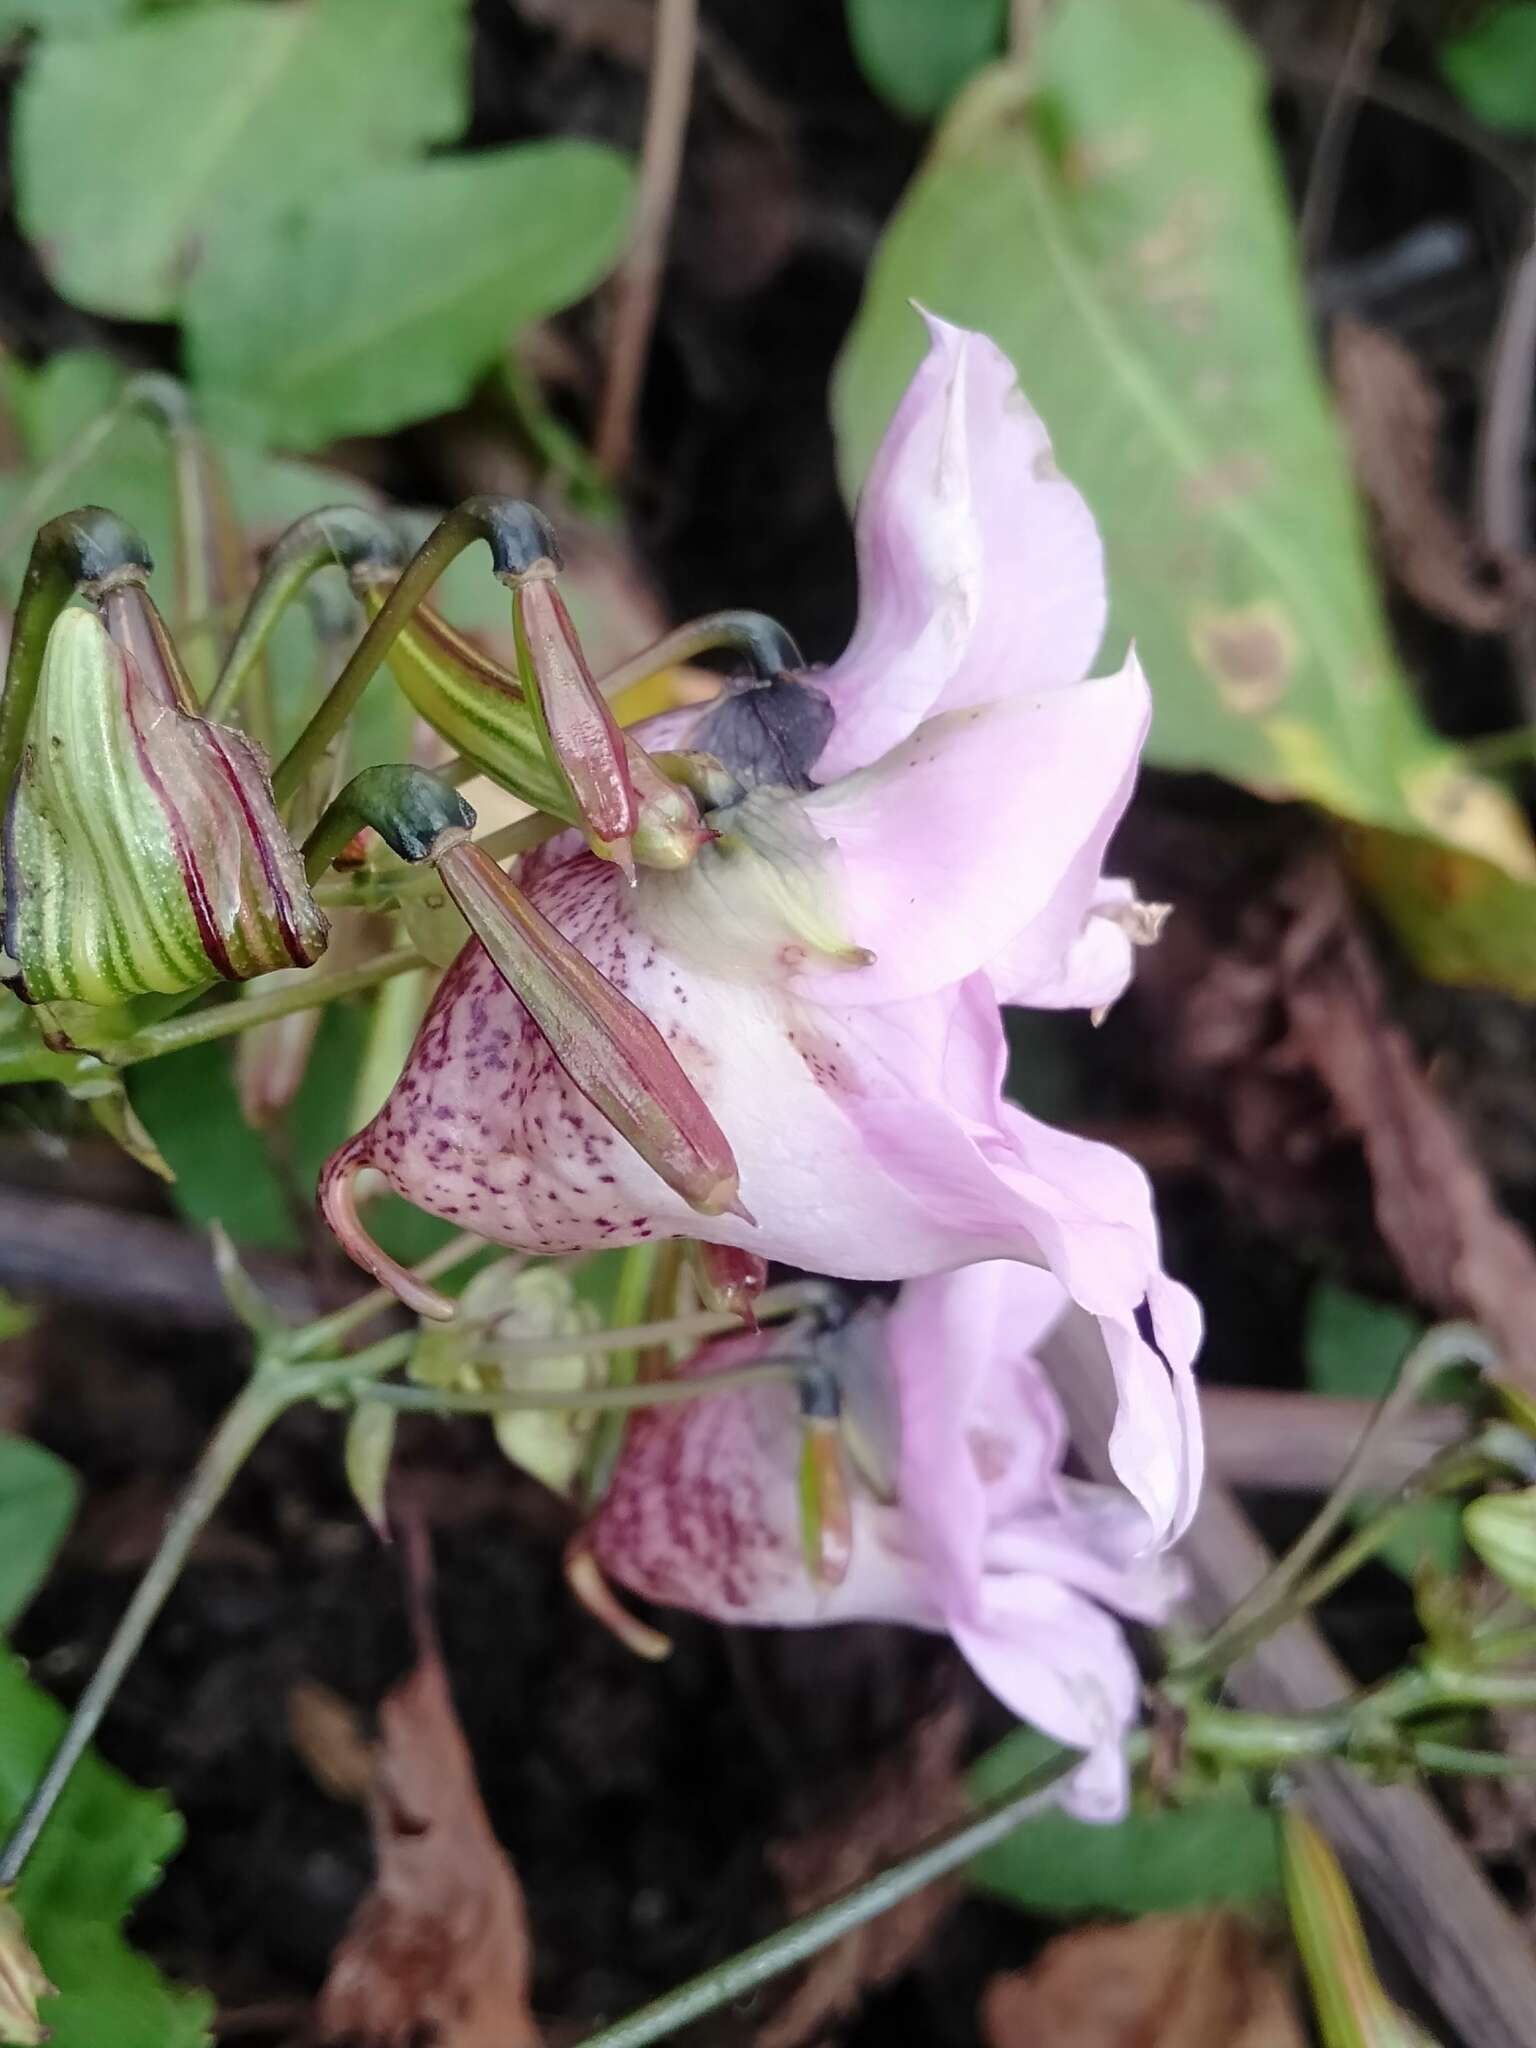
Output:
[[980, 570]]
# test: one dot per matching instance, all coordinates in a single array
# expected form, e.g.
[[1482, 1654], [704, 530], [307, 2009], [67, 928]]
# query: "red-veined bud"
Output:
[[729, 1280], [579, 730], [143, 850]]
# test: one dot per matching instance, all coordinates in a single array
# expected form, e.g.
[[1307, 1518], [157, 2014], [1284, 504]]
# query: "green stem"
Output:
[[1254, 1616], [409, 808], [620, 1398], [773, 1305], [226, 1020], [767, 648], [149, 392], [815, 1931], [345, 536], [516, 535]]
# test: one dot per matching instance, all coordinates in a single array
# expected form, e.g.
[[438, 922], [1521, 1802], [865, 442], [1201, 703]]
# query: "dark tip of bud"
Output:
[[362, 543], [773, 734], [767, 647], [517, 534], [409, 808], [97, 546]]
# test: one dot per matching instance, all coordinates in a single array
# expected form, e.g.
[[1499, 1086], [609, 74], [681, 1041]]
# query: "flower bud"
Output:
[[143, 850], [370, 1446], [1501, 1528], [23, 1981], [579, 730]]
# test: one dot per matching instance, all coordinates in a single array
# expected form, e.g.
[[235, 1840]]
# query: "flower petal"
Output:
[[982, 837], [980, 569]]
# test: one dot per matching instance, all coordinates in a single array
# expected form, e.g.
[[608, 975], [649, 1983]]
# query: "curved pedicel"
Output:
[[584, 1576], [338, 1205]]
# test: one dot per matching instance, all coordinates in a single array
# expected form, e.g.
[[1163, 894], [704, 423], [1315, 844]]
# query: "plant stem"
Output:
[[226, 1020], [514, 534], [367, 890], [772, 1306], [805, 1937], [609, 1399], [1255, 1616], [767, 647]]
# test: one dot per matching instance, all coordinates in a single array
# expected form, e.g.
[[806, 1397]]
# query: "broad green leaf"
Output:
[[101, 1850], [381, 301], [1218, 1851], [1493, 68], [1353, 1349], [61, 17], [1115, 221], [37, 1500], [918, 53], [131, 146]]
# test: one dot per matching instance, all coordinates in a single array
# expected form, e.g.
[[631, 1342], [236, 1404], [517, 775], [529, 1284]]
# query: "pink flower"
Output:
[[828, 973], [962, 1519]]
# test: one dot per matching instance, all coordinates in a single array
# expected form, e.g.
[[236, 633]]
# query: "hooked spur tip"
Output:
[[338, 1205], [584, 1576]]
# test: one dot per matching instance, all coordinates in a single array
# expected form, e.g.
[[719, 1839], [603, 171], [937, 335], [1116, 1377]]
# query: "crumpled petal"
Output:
[[982, 835], [1094, 972], [981, 574]]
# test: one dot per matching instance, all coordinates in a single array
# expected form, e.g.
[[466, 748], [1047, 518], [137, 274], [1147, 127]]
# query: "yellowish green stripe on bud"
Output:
[[143, 850], [1501, 1528]]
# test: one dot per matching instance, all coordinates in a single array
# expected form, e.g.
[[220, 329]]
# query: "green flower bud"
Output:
[[1501, 1528], [1353, 2009], [143, 850]]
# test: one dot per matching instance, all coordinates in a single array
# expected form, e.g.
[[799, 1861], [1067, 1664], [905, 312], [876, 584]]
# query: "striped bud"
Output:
[[1501, 1528], [143, 850], [729, 1280]]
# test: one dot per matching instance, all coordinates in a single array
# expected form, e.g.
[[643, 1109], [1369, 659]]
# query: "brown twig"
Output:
[[637, 287], [1503, 441], [1300, 1443]]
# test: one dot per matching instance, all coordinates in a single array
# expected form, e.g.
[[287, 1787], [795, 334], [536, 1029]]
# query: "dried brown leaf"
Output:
[[438, 1954], [1173, 1980], [908, 1798], [1434, 1206], [1392, 415], [332, 1746]]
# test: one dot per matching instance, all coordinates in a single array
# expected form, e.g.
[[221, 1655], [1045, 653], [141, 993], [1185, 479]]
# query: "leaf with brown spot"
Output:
[[438, 1954], [905, 1800], [1168, 1981]]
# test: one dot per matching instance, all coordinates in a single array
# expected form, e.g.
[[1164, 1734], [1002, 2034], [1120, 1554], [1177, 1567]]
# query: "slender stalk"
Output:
[[516, 536], [766, 646], [805, 1937], [341, 535], [637, 288], [226, 1020], [243, 1427], [618, 1399], [1252, 1618], [773, 1305]]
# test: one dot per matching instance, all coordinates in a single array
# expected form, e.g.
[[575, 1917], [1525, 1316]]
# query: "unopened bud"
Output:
[[668, 828], [610, 1050], [579, 731], [1501, 1528], [23, 1981], [143, 849], [369, 1448], [730, 1280]]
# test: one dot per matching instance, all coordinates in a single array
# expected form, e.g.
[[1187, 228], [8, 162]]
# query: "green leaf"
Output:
[[38, 1493], [258, 106], [61, 17], [101, 1850], [918, 53], [1219, 1851], [1493, 68], [1353, 1348], [381, 301], [1115, 220]]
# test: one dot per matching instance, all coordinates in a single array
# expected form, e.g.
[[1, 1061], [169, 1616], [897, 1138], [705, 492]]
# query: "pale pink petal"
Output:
[[980, 570], [1093, 973], [981, 837], [1062, 1664]]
